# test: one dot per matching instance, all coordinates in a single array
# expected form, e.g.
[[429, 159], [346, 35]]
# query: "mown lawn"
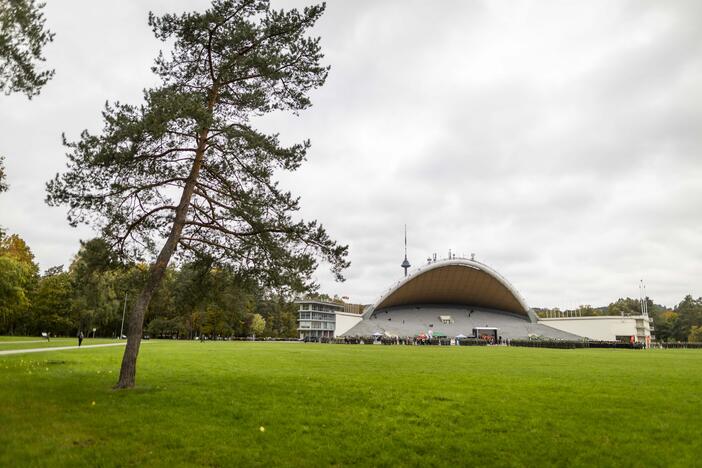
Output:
[[33, 342], [205, 404], [18, 338]]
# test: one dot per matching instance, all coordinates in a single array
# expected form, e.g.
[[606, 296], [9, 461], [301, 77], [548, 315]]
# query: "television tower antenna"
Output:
[[643, 298], [405, 262]]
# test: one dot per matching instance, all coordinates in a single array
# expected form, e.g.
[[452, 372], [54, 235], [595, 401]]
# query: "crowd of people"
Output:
[[419, 340]]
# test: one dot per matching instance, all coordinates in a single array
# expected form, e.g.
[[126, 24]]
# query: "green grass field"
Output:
[[205, 404], [8, 343]]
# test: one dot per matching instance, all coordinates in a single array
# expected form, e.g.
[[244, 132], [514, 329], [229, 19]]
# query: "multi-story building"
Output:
[[319, 319]]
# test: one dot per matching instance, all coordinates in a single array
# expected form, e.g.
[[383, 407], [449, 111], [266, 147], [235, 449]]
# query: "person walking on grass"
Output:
[[80, 338]]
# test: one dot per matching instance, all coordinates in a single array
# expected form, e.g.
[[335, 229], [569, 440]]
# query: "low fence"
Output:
[[548, 344], [680, 345], [470, 341], [386, 340], [249, 338], [615, 345], [563, 344]]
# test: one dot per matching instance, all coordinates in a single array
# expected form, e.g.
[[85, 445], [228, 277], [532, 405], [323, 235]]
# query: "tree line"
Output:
[[201, 298], [198, 298], [682, 322]]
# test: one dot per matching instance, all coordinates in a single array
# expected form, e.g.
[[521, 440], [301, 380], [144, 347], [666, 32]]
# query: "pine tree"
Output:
[[186, 170]]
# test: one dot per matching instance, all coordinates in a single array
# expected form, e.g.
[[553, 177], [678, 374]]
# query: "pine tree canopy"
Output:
[[187, 166], [22, 38]]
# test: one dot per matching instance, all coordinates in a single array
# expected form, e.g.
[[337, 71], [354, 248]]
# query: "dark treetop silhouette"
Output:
[[187, 170]]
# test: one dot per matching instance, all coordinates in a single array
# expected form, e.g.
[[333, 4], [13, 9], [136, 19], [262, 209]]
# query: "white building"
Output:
[[319, 319], [605, 328]]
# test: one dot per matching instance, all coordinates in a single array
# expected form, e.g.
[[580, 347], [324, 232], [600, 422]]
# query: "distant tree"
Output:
[[94, 273], [323, 297], [156, 327], [15, 247], [689, 312], [625, 306], [666, 325], [205, 295], [16, 284], [163, 301], [214, 322], [18, 279], [52, 304], [280, 315], [257, 324], [94, 256], [164, 328], [3, 176], [695, 335], [22, 39], [188, 167]]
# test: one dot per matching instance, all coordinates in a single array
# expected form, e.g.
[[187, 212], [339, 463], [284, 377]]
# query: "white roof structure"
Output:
[[470, 294], [457, 281]]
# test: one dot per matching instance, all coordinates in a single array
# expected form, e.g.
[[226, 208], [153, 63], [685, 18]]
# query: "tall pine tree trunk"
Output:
[[127, 373]]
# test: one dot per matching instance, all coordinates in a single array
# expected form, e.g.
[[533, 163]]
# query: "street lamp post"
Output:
[[124, 311]]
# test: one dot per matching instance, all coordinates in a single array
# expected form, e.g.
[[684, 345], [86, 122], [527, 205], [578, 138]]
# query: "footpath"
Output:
[[59, 348], [33, 341]]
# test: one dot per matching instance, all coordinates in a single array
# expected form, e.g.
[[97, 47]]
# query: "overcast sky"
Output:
[[559, 141]]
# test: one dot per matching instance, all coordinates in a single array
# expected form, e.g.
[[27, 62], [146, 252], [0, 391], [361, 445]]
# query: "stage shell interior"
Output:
[[451, 298]]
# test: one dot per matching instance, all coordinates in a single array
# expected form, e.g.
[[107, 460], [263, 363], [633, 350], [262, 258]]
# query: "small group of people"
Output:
[[80, 337]]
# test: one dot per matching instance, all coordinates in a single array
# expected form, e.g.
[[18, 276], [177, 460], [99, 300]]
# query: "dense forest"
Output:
[[198, 298]]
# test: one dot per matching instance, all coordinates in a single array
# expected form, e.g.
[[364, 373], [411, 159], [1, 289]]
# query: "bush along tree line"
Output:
[[197, 299]]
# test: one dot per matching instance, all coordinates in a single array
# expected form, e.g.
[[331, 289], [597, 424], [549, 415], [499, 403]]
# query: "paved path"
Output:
[[58, 348]]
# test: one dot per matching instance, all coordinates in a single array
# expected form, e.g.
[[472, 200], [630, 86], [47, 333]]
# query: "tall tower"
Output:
[[405, 262]]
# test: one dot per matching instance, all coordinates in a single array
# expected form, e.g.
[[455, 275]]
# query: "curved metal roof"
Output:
[[455, 281]]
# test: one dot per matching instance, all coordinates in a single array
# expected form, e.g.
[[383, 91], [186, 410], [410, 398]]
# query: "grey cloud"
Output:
[[559, 141]]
